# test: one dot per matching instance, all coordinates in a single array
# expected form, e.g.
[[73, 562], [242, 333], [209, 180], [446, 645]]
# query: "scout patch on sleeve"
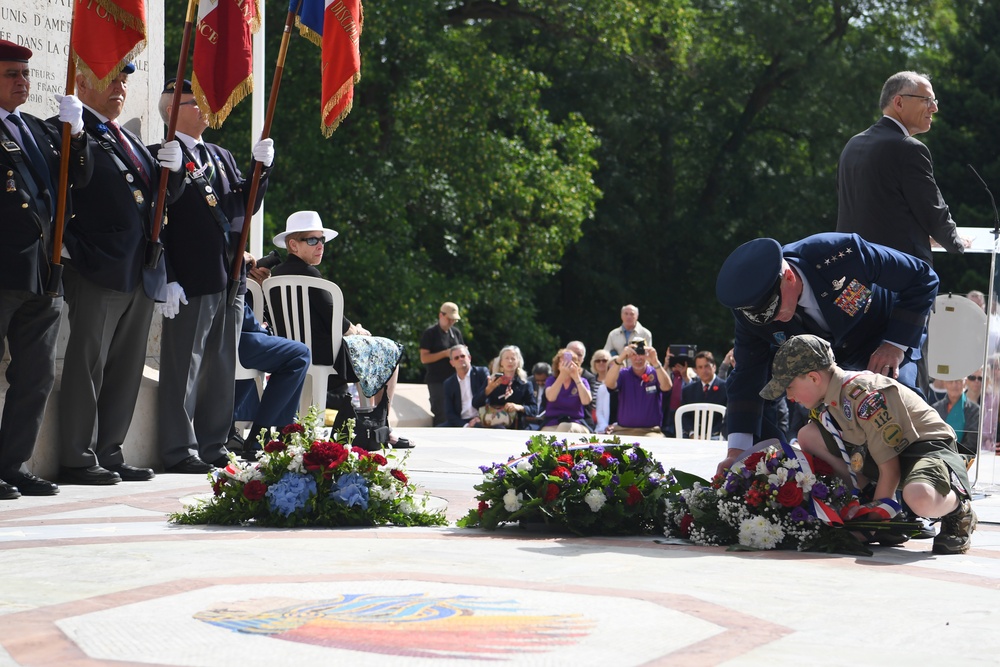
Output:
[[855, 297], [892, 435], [847, 411], [872, 404]]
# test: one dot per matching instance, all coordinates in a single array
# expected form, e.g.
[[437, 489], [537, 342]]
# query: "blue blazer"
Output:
[[868, 294], [478, 376]]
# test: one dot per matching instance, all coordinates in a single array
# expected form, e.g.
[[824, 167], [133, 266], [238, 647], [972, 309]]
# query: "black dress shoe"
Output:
[[221, 462], [93, 475], [192, 465], [31, 485], [8, 492], [402, 443], [131, 473]]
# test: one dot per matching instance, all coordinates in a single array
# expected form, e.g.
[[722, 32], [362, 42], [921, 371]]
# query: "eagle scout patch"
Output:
[[871, 405], [855, 297]]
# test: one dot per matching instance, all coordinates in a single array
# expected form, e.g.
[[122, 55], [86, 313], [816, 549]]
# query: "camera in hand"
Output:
[[639, 344], [269, 261]]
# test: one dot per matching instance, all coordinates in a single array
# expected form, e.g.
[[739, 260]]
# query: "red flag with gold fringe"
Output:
[[107, 35], [222, 67], [336, 26]]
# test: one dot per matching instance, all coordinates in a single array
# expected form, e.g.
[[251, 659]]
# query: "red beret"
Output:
[[14, 52]]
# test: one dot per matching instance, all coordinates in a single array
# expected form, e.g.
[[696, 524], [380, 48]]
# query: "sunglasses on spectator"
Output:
[[313, 240], [976, 378]]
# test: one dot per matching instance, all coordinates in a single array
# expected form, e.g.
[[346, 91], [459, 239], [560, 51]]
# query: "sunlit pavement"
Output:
[[97, 576]]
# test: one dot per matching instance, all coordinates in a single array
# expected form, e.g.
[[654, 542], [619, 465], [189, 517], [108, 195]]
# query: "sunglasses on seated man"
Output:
[[313, 240]]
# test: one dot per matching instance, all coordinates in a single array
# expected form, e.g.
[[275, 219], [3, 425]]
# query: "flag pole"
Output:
[[154, 248], [55, 266], [279, 68]]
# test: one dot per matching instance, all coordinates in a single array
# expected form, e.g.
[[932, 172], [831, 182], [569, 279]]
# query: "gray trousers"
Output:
[[197, 378], [30, 323], [102, 372]]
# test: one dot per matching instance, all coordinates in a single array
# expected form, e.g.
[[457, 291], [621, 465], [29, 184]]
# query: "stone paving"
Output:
[[96, 576]]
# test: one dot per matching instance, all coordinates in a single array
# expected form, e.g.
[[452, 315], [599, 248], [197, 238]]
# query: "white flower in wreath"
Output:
[[380, 492], [761, 468], [407, 507], [595, 499], [524, 465], [778, 477], [790, 463], [805, 480], [512, 500], [759, 533]]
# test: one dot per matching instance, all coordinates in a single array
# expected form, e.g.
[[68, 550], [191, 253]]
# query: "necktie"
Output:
[[207, 162], [34, 156], [116, 129], [706, 389], [675, 392]]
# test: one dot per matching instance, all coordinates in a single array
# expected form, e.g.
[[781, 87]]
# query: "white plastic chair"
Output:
[[289, 296], [243, 373], [704, 414]]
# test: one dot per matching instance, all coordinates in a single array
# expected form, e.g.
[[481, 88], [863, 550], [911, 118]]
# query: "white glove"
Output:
[[71, 111], [169, 156], [263, 151], [172, 306]]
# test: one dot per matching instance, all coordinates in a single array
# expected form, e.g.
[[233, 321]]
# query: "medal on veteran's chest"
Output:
[[139, 199], [210, 198], [129, 177], [11, 185]]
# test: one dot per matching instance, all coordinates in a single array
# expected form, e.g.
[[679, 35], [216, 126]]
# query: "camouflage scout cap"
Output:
[[797, 356]]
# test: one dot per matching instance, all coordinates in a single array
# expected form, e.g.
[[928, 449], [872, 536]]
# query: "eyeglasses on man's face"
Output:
[[313, 240], [975, 378], [928, 100]]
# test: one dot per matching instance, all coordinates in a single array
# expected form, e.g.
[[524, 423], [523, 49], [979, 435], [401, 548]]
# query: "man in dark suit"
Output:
[[869, 301], [110, 289], [459, 389], [29, 317], [199, 341], [707, 389], [886, 190]]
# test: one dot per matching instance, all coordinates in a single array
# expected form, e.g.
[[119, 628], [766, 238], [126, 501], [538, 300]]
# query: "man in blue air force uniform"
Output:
[[869, 301]]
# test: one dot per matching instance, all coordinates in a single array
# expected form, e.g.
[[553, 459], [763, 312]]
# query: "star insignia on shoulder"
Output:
[[849, 251]]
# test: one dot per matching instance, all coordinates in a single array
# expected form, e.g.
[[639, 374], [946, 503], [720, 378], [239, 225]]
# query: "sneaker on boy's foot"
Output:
[[956, 530]]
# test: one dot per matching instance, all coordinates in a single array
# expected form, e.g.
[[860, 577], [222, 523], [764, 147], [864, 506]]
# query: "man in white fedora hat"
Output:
[[304, 238]]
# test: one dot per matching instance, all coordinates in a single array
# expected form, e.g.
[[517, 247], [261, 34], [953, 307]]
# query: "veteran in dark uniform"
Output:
[[29, 317], [869, 301], [110, 290], [200, 337]]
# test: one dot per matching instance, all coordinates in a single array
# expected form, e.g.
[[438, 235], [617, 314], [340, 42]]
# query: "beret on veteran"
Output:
[[169, 86], [12, 52], [797, 356], [747, 277]]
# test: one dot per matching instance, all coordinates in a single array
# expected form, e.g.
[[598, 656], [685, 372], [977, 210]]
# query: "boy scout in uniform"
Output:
[[889, 434]]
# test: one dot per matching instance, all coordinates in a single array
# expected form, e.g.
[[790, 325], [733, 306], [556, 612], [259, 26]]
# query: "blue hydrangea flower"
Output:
[[290, 493], [351, 490]]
